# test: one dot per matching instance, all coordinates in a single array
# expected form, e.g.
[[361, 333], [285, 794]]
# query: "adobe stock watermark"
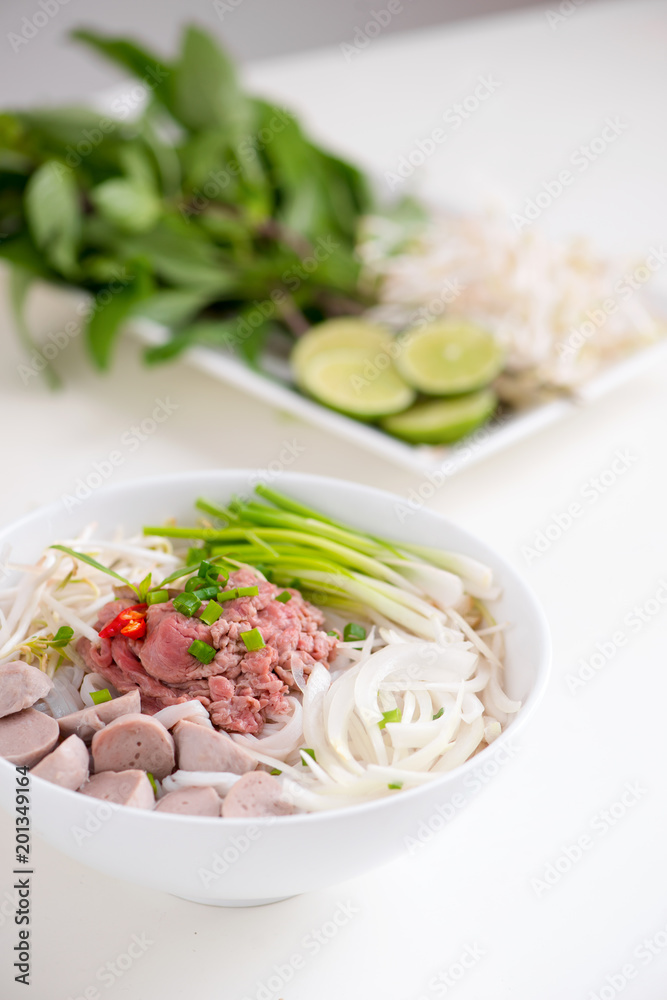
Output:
[[364, 34], [579, 162], [289, 452], [8, 906], [59, 340], [445, 980], [461, 454], [107, 975], [474, 781], [122, 106], [279, 301], [454, 117], [644, 954], [311, 944], [591, 491], [130, 441], [605, 650], [598, 827], [228, 856], [33, 24], [624, 288], [223, 7], [248, 150], [373, 367], [564, 11]]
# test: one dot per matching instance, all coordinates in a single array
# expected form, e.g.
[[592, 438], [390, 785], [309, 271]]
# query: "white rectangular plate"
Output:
[[493, 437]]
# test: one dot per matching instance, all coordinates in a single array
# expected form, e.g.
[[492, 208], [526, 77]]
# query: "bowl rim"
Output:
[[528, 707]]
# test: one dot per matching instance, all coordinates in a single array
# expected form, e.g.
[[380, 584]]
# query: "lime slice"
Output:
[[442, 421], [338, 333], [449, 357], [345, 379]]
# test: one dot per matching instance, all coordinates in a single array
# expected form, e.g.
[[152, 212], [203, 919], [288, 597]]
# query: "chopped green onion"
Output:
[[248, 591], [274, 770], [353, 631], [99, 697], [211, 613], [227, 595], [194, 583], [393, 716], [206, 568], [395, 784], [187, 604], [207, 593], [439, 714], [152, 781], [310, 752], [252, 639], [202, 651], [333, 633], [62, 636], [157, 596], [284, 597]]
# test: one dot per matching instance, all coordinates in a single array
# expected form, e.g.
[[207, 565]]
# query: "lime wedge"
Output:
[[338, 333], [449, 357], [345, 379], [442, 421]]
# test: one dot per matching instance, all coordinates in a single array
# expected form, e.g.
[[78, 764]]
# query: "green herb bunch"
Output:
[[190, 203]]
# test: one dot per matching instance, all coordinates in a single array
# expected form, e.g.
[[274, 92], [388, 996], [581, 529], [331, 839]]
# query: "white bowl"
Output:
[[232, 862]]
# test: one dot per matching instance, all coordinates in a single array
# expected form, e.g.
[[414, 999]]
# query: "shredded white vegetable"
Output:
[[559, 309]]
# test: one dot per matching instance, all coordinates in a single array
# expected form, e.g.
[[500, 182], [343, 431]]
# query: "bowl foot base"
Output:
[[233, 902]]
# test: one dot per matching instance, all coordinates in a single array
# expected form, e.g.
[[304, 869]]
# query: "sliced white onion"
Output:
[[192, 709], [222, 781], [468, 739], [281, 742], [95, 682]]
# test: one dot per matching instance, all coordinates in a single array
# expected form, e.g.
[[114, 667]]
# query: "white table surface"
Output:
[[473, 885]]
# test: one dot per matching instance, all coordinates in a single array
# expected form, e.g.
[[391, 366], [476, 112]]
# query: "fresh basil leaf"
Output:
[[144, 64], [212, 333], [206, 91], [173, 307], [137, 166], [205, 159], [54, 214], [165, 155], [81, 138], [181, 255], [21, 251], [251, 345], [106, 319], [127, 203]]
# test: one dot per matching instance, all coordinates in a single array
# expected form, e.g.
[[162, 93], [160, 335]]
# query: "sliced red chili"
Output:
[[135, 613], [135, 629]]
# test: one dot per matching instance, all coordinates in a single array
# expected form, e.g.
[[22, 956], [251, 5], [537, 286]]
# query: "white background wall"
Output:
[[49, 67]]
